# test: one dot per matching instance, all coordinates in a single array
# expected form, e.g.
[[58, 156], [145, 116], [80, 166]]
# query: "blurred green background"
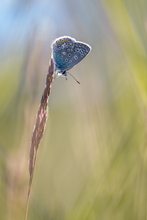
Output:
[[92, 161]]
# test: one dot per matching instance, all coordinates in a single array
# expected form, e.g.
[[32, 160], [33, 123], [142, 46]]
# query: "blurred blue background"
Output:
[[92, 161]]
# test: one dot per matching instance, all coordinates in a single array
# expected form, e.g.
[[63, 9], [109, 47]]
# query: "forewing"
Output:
[[62, 52], [80, 51]]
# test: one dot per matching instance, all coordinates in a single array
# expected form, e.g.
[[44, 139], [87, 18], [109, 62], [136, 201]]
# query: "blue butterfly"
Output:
[[67, 52]]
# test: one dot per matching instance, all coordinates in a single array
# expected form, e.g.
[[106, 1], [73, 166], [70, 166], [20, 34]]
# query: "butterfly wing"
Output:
[[60, 49], [69, 56], [80, 51]]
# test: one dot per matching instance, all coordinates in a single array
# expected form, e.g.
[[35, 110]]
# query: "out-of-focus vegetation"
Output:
[[92, 162]]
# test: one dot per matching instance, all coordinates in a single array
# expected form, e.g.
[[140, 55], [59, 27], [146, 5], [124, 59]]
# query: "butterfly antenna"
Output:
[[74, 78]]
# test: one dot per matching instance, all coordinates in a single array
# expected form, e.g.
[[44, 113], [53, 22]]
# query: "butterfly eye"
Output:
[[69, 55], [66, 60]]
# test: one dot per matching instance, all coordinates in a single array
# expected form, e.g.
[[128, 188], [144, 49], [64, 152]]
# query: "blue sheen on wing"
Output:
[[67, 52]]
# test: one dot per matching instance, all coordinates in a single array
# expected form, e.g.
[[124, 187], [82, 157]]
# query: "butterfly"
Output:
[[67, 52]]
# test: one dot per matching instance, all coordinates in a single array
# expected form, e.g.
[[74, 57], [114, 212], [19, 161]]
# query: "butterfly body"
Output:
[[67, 52]]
